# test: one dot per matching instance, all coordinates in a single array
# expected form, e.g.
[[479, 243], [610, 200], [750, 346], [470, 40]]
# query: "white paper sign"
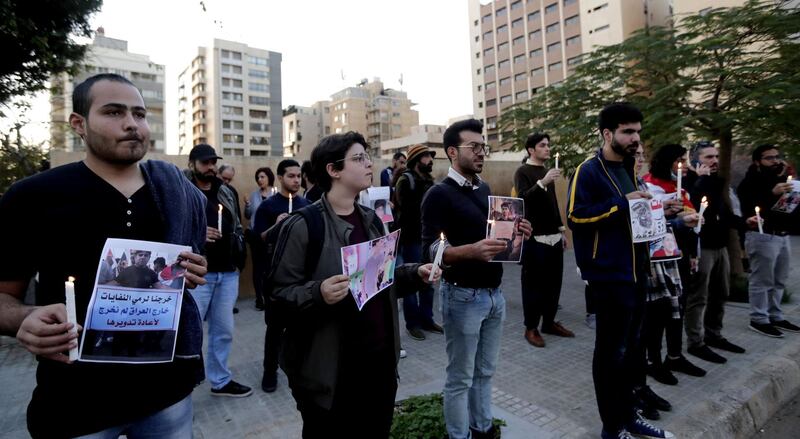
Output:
[[647, 219]]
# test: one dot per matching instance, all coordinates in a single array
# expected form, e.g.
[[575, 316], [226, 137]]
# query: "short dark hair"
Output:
[[534, 139], [761, 149], [305, 171], [270, 175], [398, 155], [160, 260], [288, 163], [332, 149], [613, 115], [224, 167], [82, 96], [663, 158], [452, 135], [699, 146]]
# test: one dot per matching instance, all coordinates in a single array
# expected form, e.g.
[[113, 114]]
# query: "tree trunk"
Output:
[[725, 155]]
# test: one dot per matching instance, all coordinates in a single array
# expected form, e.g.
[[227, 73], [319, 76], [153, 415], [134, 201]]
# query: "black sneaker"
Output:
[[433, 327], [662, 374], [705, 353], [232, 390], [646, 394], [683, 365], [725, 345], [645, 410], [643, 429], [767, 329], [785, 325], [235, 310], [269, 382], [416, 334]]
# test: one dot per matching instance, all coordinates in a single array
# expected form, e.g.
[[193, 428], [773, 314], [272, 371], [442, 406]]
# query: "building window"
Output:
[[500, 11], [487, 35], [488, 52], [477, 38], [491, 122], [535, 52], [602, 28], [480, 104], [553, 7], [233, 138], [519, 58], [535, 90], [552, 28], [573, 40], [520, 76], [575, 60], [554, 66], [230, 68], [537, 34], [257, 74], [487, 17], [488, 69], [569, 2], [478, 72], [476, 22], [259, 127], [477, 55], [516, 5], [226, 95], [505, 81], [534, 15], [228, 82], [237, 111], [491, 102], [258, 61], [502, 64], [258, 100], [571, 20], [256, 152], [227, 54], [490, 85], [521, 96], [553, 47], [597, 8], [505, 99], [259, 140], [480, 88], [502, 29], [258, 114], [233, 124], [516, 23], [502, 47], [537, 71], [518, 40]]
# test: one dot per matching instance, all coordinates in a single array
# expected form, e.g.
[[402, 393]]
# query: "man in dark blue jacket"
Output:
[[614, 267]]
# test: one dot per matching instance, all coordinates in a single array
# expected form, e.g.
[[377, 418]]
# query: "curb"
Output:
[[742, 406]]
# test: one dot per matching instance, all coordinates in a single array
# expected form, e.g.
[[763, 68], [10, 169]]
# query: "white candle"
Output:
[[758, 218], [789, 179], [219, 219], [703, 206], [290, 203], [72, 316], [680, 178], [491, 229], [437, 261], [556, 160]]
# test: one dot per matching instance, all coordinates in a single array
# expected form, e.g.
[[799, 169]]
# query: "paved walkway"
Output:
[[542, 393]]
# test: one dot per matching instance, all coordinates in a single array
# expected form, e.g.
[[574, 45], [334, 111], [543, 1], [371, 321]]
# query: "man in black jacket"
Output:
[[709, 286], [411, 187], [763, 185]]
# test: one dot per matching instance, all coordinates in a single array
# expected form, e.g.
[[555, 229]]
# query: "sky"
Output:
[[425, 41]]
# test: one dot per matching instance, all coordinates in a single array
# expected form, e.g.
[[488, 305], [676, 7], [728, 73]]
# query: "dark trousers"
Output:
[[542, 270], [589, 297], [657, 323], [257, 256], [363, 403], [276, 324], [418, 307], [616, 367]]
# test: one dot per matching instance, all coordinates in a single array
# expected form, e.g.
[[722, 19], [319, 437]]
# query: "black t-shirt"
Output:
[[617, 169], [220, 252], [137, 277], [57, 224]]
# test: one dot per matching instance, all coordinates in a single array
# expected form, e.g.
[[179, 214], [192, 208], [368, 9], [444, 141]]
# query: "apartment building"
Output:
[[229, 96], [303, 127]]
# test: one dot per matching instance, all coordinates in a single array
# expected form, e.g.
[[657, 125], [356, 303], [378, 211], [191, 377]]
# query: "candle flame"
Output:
[[758, 209], [789, 179], [220, 208], [441, 236], [290, 196], [680, 165], [70, 279], [704, 200]]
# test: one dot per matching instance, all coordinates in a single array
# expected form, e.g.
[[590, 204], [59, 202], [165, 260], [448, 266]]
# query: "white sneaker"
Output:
[[403, 353]]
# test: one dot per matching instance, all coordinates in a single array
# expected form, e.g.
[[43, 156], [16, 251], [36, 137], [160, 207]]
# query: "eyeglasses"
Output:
[[361, 158], [477, 148], [772, 158]]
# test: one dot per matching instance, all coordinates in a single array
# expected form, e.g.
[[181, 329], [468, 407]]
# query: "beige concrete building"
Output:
[[428, 135], [230, 97], [518, 47], [109, 55], [303, 127]]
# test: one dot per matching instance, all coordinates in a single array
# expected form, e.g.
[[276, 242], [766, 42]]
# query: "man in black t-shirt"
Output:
[[138, 275], [111, 193]]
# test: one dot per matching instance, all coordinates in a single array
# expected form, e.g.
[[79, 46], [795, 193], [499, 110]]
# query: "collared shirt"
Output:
[[462, 181]]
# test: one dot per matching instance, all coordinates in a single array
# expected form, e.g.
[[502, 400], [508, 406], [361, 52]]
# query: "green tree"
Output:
[[728, 75], [18, 159], [37, 41]]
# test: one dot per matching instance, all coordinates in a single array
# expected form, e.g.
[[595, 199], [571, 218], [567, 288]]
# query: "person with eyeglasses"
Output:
[[763, 185], [709, 283], [341, 362], [472, 303]]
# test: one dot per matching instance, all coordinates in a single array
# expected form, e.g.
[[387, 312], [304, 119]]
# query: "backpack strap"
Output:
[[410, 177], [315, 223]]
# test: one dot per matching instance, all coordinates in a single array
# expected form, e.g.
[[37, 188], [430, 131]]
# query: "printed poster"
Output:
[[134, 311], [788, 202], [647, 219], [377, 199], [664, 248], [370, 266], [505, 215]]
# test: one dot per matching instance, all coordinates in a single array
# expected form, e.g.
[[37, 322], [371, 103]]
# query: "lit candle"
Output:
[[789, 179], [557, 160], [290, 203], [758, 218], [437, 261], [219, 219], [491, 229], [680, 178], [72, 316], [703, 206]]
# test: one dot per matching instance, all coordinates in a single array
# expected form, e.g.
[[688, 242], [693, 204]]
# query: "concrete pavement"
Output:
[[541, 393]]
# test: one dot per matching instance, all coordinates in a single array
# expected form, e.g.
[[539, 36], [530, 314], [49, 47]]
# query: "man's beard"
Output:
[[208, 177], [426, 169], [628, 151], [774, 169], [115, 154]]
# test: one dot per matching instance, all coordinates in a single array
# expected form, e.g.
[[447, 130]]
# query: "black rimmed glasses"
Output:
[[361, 158], [477, 148]]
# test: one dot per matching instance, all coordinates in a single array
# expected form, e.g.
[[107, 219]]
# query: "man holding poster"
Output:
[[473, 306], [599, 216], [111, 193]]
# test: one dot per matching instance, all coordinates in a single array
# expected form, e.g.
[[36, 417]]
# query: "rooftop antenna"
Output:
[[401, 82]]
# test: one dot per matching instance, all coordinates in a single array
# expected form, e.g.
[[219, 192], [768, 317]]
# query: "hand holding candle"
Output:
[[219, 219], [680, 180], [72, 316], [703, 206], [437, 261], [557, 156], [290, 203], [759, 220]]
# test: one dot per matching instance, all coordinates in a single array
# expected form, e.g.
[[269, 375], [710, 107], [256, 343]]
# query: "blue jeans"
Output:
[[769, 270], [473, 324], [174, 422], [215, 301], [418, 312]]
